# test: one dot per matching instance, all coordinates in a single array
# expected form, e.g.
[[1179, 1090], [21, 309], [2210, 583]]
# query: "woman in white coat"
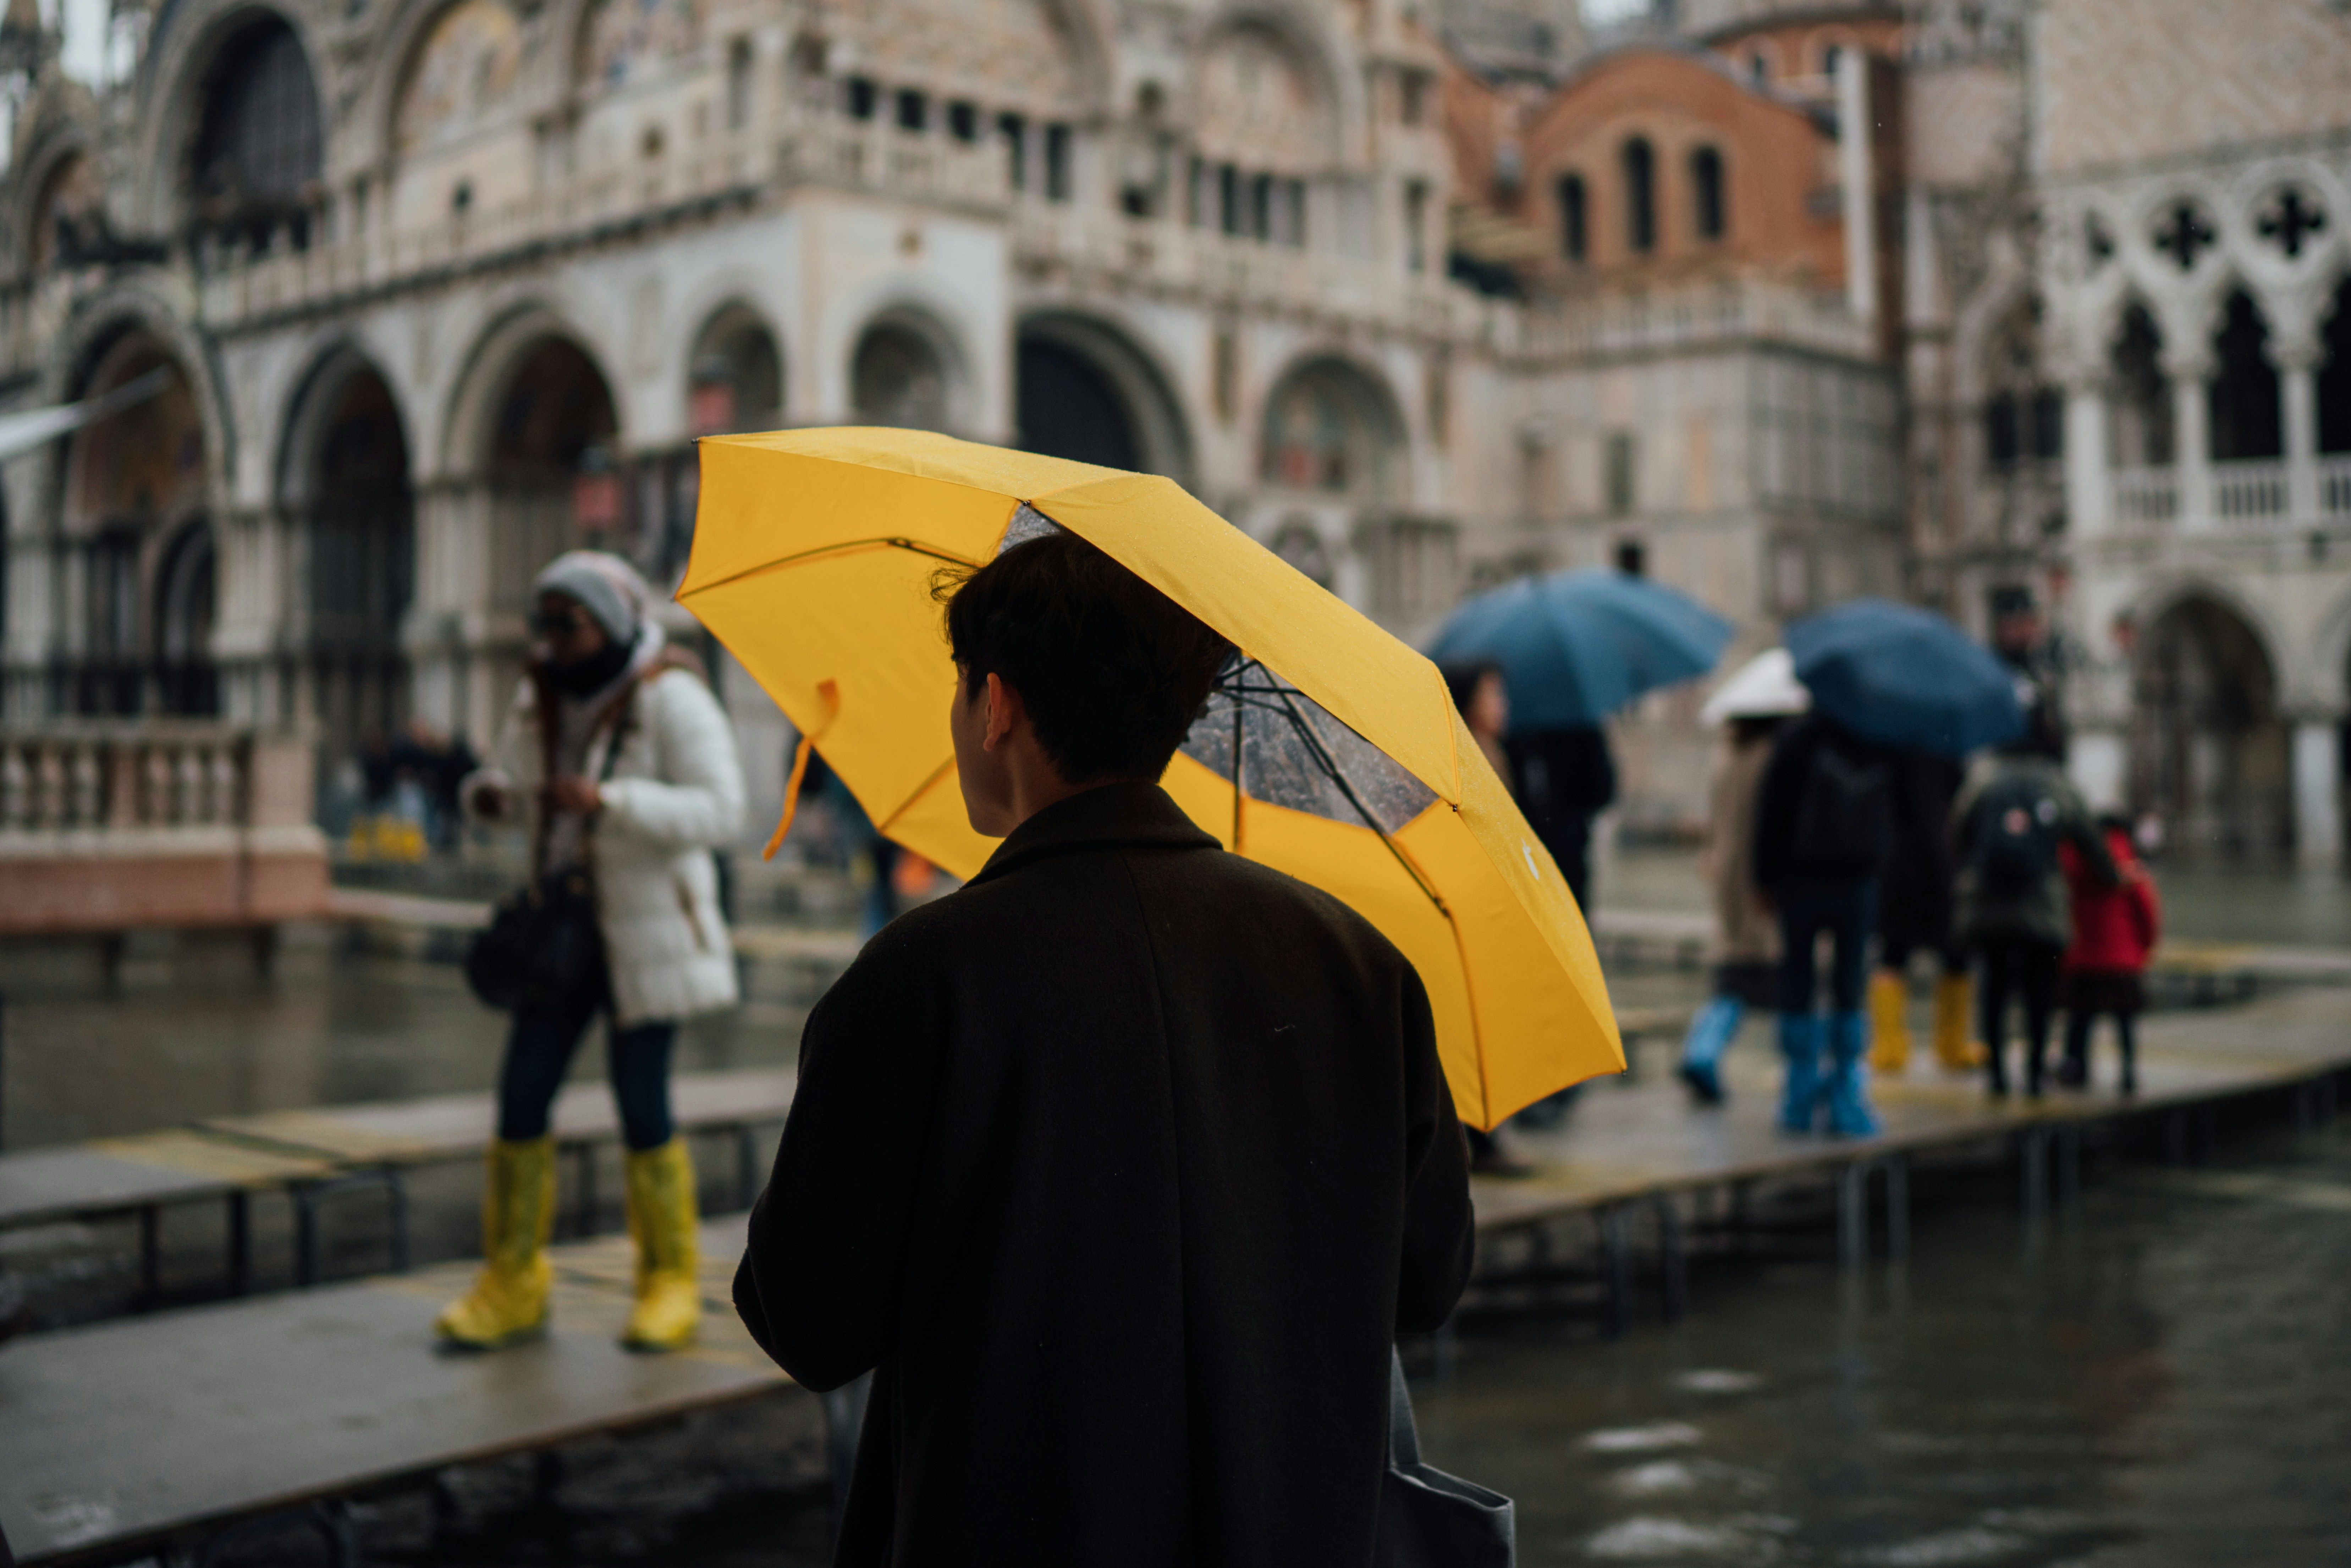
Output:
[[643, 783]]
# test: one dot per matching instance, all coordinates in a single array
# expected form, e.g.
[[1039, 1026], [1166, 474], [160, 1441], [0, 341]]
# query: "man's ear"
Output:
[[1003, 709]]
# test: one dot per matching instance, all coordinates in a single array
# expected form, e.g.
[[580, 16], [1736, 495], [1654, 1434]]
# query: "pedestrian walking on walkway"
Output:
[[1914, 915], [1753, 706], [1825, 822], [2115, 929], [2010, 821], [1122, 1166], [621, 764]]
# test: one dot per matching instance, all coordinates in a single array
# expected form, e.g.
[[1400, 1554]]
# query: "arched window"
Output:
[[897, 377], [1640, 196], [1831, 59], [1573, 243], [2245, 415], [1706, 191], [1327, 428], [258, 148]]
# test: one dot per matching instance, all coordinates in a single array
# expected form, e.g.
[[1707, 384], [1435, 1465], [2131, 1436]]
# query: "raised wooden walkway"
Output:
[[124, 1438]]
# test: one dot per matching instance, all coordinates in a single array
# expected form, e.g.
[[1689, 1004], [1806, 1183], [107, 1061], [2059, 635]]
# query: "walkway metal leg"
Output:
[[150, 1255], [240, 1243], [396, 1199], [2069, 1165], [1616, 1239], [1852, 1215], [306, 1234], [1673, 1260], [1897, 1206], [1741, 1227], [2034, 1150], [746, 1166], [2175, 1139]]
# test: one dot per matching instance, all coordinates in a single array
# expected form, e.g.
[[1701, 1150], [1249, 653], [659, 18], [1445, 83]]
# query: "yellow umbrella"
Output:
[[813, 556]]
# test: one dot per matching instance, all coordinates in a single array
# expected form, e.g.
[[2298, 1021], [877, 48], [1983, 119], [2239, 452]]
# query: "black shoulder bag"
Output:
[[1429, 1518], [543, 943]]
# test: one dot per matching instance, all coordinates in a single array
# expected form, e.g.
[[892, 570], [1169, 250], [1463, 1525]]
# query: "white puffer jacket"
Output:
[[674, 793]]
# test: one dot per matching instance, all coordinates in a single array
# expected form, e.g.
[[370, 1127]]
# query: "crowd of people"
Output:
[[1997, 871]]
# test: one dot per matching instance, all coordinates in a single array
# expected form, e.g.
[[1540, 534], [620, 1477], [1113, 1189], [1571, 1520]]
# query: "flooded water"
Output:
[[2159, 1381]]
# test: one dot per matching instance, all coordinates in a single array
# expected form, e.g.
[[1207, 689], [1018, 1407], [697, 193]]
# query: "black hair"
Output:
[[1112, 671], [1461, 681]]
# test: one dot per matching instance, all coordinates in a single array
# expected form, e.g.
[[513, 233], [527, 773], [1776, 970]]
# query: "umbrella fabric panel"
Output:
[[1577, 646], [1284, 739], [1906, 678]]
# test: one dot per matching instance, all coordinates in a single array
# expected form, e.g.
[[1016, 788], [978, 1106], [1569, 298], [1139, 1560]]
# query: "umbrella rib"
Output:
[[1331, 769], [845, 548]]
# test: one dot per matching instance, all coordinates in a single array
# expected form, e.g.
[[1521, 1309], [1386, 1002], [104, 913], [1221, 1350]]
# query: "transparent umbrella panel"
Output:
[[1291, 752]]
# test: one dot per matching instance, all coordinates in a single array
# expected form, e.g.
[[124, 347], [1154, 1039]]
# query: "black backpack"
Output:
[[1844, 817], [2014, 847]]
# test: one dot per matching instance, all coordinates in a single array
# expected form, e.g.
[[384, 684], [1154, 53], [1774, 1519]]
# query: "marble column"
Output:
[[2191, 440], [2317, 792], [2297, 366], [2088, 487]]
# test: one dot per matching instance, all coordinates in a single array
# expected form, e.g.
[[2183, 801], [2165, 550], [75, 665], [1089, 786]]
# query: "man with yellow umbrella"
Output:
[[1124, 1165]]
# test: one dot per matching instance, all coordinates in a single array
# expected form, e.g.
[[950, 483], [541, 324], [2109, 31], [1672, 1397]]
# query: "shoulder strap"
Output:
[[1403, 1438], [543, 710]]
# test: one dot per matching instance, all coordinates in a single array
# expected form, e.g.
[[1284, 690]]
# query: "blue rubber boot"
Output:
[[1710, 1034], [1800, 1046], [1847, 1088]]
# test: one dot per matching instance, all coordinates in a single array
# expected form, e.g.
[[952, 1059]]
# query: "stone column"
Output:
[[2191, 438], [2297, 364], [2088, 483], [2317, 790]]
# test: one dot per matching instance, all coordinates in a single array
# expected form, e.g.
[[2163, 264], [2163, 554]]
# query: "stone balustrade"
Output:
[[108, 826], [1752, 309]]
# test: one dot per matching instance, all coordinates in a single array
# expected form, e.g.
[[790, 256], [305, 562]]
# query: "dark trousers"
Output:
[[2079, 1022], [538, 1054], [1847, 911], [2027, 969]]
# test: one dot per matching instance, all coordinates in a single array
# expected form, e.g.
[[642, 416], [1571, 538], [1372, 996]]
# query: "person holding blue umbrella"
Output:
[[1885, 679], [1574, 648]]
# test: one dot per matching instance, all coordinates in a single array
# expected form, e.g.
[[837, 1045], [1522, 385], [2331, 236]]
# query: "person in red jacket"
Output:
[[2114, 929]]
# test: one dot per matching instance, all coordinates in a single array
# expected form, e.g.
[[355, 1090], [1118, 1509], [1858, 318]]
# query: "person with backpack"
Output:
[[1823, 824], [2115, 930], [2008, 823]]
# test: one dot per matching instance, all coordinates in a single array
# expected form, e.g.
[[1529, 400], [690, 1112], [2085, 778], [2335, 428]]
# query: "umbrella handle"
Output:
[[829, 693]]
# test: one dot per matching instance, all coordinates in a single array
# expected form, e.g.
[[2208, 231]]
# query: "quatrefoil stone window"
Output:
[[2291, 220], [2184, 233]]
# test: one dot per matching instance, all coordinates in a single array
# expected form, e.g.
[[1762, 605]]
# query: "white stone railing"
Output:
[[1713, 313], [2334, 487], [2144, 496], [1161, 253], [819, 150], [2255, 492], [98, 778]]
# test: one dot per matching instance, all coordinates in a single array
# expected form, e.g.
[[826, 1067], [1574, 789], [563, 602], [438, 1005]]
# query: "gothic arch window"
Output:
[[1640, 166], [736, 376], [2335, 376], [260, 148], [1708, 200], [1328, 428], [2023, 418], [186, 681], [2243, 399], [1575, 235], [67, 213], [2140, 426], [899, 377]]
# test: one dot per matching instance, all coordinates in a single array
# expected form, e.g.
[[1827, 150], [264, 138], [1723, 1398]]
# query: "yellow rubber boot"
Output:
[[662, 1221], [1955, 1012], [1889, 1028], [508, 1300]]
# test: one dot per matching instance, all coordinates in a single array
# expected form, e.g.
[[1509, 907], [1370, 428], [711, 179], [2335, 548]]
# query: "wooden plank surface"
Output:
[[116, 1434], [1629, 1139], [81, 1180]]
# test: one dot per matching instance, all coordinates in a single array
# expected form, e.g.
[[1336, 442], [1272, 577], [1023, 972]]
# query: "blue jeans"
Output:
[[538, 1054], [1847, 911]]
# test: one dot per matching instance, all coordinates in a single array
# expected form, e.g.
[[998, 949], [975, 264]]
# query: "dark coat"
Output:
[[1124, 1165], [1564, 778], [1914, 897]]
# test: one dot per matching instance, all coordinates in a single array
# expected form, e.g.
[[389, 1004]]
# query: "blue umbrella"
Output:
[[1576, 646], [1906, 678]]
